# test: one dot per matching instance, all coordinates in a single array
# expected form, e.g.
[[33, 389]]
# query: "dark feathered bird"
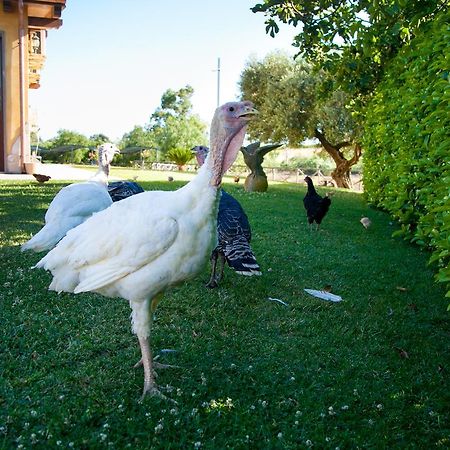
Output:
[[118, 190], [41, 178], [315, 205], [234, 236]]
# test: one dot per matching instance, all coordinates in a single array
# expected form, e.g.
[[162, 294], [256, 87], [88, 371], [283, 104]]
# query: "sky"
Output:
[[110, 62]]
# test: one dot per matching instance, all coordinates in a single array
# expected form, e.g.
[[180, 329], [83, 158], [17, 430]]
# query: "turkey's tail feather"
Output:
[[51, 233], [45, 239], [241, 258]]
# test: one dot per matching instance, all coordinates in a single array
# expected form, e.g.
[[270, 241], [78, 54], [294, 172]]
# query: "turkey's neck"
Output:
[[204, 176], [102, 173], [200, 190]]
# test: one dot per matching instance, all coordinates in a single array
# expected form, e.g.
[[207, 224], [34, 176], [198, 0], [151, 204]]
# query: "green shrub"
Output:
[[312, 163], [80, 155], [407, 145], [179, 156]]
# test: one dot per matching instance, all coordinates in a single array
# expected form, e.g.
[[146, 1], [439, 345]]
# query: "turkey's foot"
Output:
[[156, 365], [151, 389], [212, 284]]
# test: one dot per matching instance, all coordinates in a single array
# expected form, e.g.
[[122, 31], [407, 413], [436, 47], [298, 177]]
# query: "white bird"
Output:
[[173, 233], [73, 204]]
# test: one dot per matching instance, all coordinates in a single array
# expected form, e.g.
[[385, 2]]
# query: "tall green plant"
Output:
[[407, 156], [180, 156]]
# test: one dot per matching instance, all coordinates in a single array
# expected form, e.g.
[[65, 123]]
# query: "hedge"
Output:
[[407, 143]]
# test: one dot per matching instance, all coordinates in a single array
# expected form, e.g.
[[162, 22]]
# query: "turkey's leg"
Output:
[[212, 283], [221, 259], [150, 386], [149, 379]]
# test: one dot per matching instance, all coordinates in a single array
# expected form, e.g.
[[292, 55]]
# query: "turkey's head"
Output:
[[106, 154], [227, 135], [200, 152]]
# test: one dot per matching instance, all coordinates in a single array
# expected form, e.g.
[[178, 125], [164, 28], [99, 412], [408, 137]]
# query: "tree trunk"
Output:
[[341, 174]]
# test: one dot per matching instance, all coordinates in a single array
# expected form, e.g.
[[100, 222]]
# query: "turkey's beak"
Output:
[[249, 113]]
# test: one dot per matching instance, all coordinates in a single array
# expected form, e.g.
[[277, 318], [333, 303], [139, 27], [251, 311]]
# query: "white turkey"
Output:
[[173, 235], [73, 204], [234, 235]]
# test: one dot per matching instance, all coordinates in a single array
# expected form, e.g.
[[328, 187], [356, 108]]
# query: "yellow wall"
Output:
[[9, 26]]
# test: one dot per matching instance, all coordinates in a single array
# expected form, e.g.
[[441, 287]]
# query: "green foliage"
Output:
[[252, 373], [173, 104], [173, 125], [67, 137], [353, 40], [137, 137], [292, 108], [283, 92], [179, 132], [131, 146], [98, 139], [310, 164], [70, 147], [407, 157], [180, 156], [65, 155], [332, 114]]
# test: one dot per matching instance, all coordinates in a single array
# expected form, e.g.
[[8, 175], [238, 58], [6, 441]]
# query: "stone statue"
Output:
[[254, 154]]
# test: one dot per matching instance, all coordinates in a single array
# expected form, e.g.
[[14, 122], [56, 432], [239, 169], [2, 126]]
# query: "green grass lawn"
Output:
[[368, 372]]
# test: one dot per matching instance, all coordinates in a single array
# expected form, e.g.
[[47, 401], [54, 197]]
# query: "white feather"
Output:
[[138, 246], [73, 204]]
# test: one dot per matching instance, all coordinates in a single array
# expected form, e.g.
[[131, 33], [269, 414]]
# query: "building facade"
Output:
[[23, 30]]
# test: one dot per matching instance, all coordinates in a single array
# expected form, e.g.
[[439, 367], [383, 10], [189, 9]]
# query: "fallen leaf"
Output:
[[327, 288]]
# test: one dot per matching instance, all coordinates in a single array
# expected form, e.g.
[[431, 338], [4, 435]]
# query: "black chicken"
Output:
[[315, 205]]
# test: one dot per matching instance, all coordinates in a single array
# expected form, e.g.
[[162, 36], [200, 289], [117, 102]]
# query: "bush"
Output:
[[80, 155], [407, 146], [313, 163], [133, 156], [179, 156]]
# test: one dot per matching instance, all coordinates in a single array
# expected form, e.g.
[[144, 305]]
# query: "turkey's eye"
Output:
[[231, 109]]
